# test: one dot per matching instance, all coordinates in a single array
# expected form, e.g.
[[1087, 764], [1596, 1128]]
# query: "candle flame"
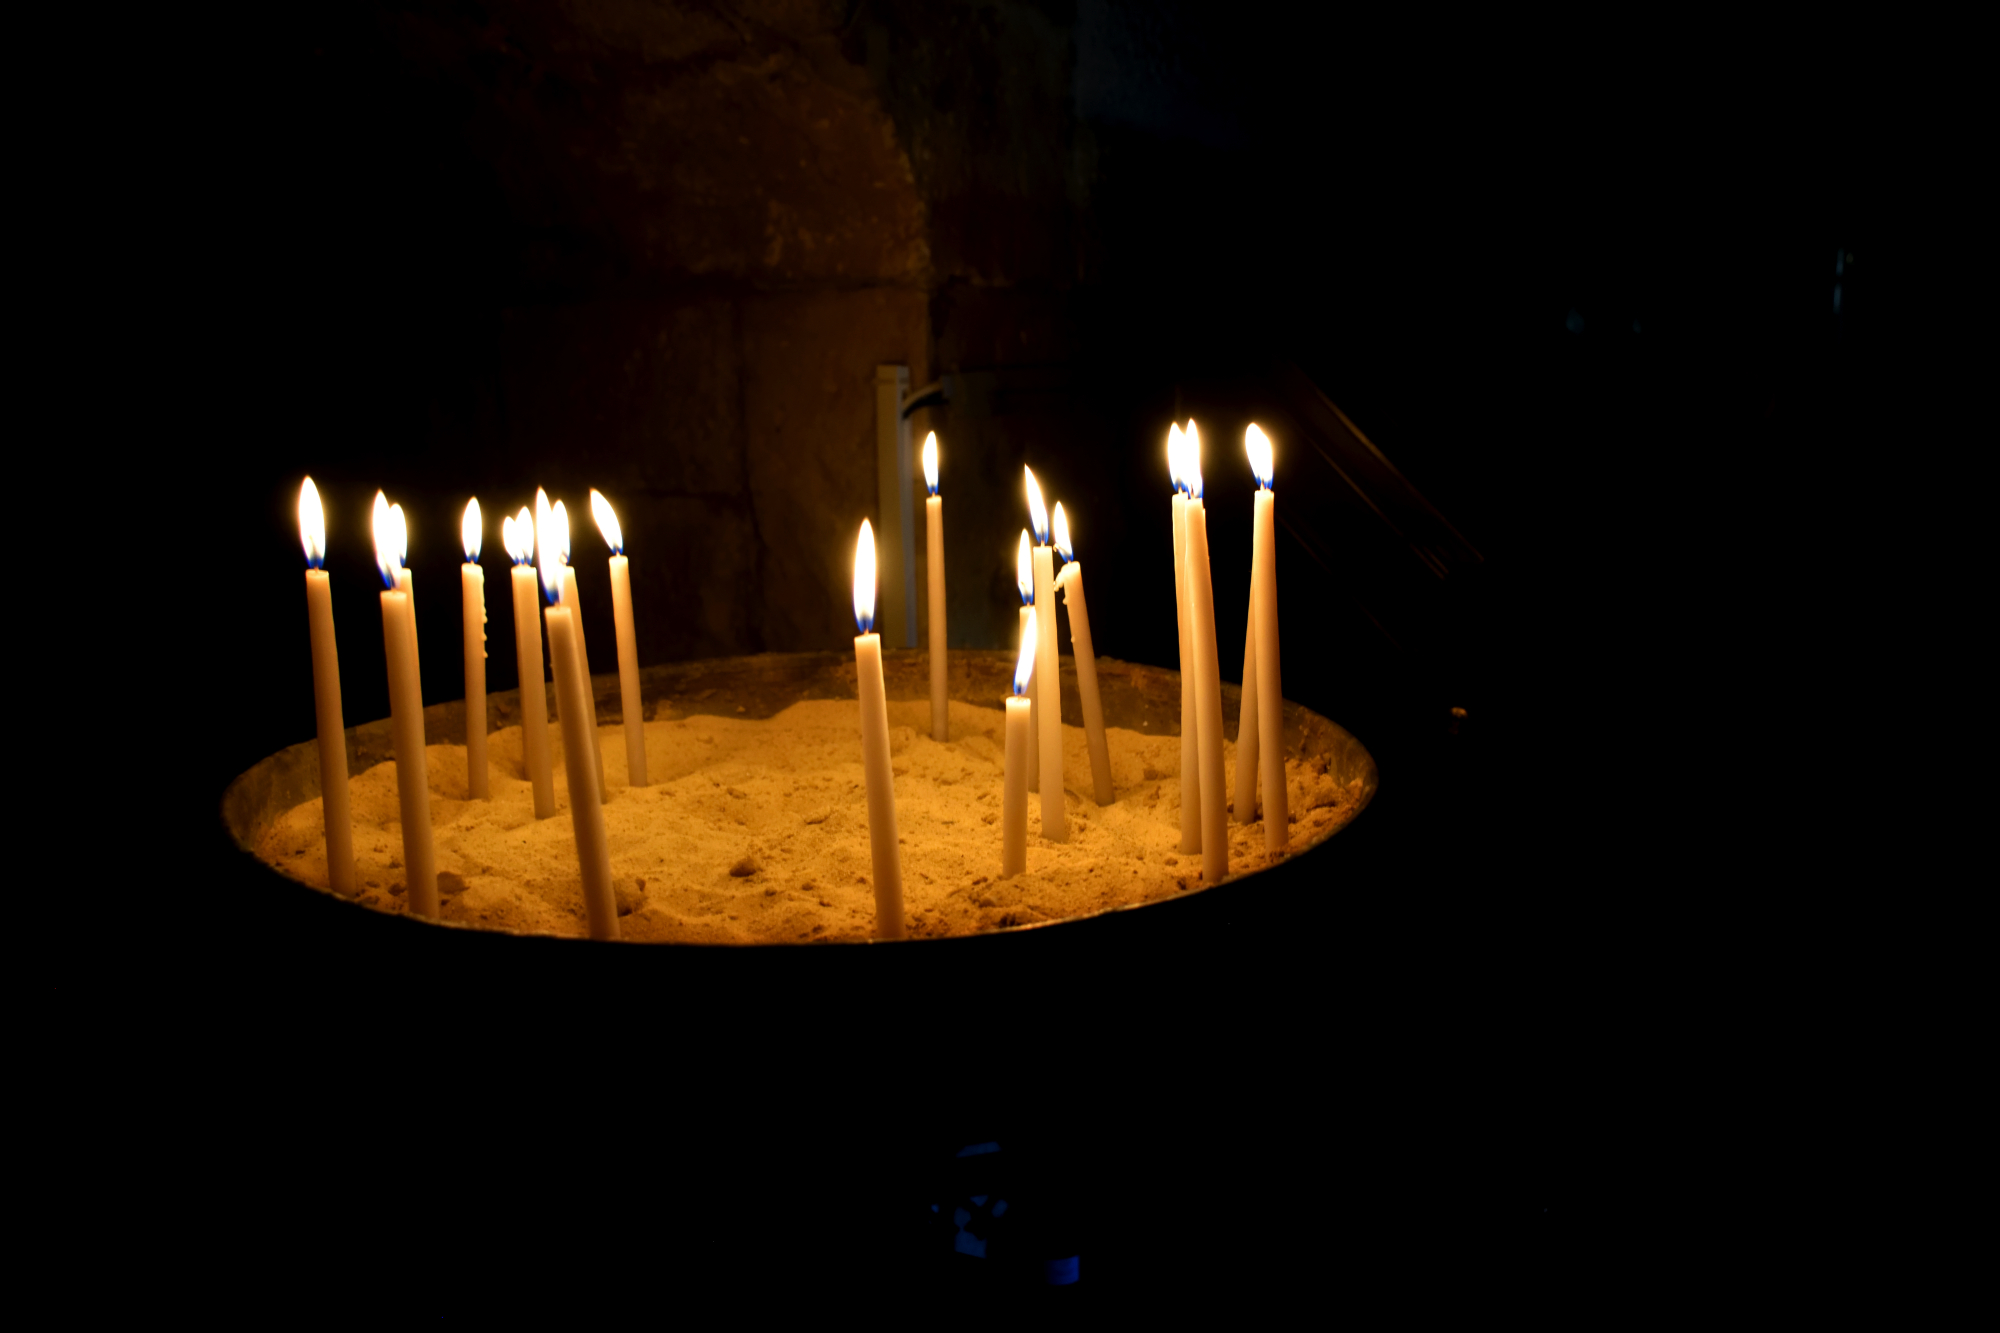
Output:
[[402, 534], [312, 525], [1258, 446], [471, 531], [1174, 449], [1191, 460], [1024, 571], [1062, 533], [930, 461], [1024, 666], [541, 528], [1038, 515], [555, 553], [864, 579], [607, 522], [519, 534], [388, 541]]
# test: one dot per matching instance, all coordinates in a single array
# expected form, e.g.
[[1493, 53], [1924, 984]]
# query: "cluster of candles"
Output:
[[543, 581], [538, 544]]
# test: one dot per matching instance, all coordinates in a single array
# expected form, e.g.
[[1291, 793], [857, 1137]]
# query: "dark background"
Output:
[[1577, 282]]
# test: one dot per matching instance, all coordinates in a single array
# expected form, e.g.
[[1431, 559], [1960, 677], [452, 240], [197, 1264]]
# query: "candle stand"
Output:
[[1135, 697]]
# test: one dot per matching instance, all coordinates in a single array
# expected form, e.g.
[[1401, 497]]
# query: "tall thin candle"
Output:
[[586, 806], [882, 839], [1207, 680], [629, 701], [326, 697], [934, 548], [1264, 620], [406, 581], [1190, 730], [472, 590], [406, 720], [1024, 579], [1020, 745], [519, 535], [571, 600], [1070, 580], [1048, 717]]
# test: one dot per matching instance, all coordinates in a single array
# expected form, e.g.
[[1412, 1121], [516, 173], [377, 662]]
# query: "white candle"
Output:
[[406, 721], [1264, 621], [560, 516], [586, 809], [519, 534], [1071, 582], [882, 842], [326, 697], [1048, 720], [1207, 680], [934, 536], [1024, 579], [1246, 722], [588, 718], [406, 582], [1020, 746], [472, 589], [628, 641], [1190, 731]]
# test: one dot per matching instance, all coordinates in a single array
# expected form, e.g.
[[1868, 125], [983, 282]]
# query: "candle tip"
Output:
[[1024, 570], [607, 522], [389, 540], [1258, 446], [312, 525], [1038, 514], [930, 462], [470, 531], [1024, 666], [554, 553], [1062, 533], [864, 579], [1191, 460]]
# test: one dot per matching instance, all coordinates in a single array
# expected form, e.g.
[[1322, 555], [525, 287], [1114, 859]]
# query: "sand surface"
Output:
[[755, 831]]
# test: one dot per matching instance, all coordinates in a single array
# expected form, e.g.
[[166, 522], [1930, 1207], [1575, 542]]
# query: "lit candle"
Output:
[[519, 535], [1268, 704], [406, 582], [1246, 722], [1207, 680], [326, 696], [472, 588], [1024, 579], [934, 530], [406, 718], [1048, 721], [1071, 582], [570, 600], [586, 808], [875, 745], [1020, 748], [628, 640], [1190, 731]]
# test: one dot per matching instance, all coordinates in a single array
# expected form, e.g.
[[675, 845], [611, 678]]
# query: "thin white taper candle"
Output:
[[886, 854], [326, 698]]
